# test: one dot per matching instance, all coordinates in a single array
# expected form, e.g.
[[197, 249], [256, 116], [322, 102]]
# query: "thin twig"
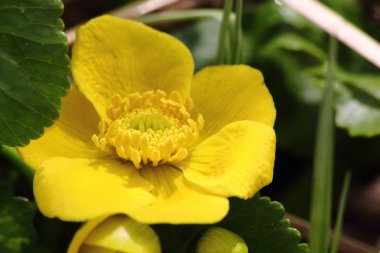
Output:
[[338, 27]]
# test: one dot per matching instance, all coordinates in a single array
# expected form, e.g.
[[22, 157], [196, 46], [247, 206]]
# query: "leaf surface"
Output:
[[34, 68], [259, 221]]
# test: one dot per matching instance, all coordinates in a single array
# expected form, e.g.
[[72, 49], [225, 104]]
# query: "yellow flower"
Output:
[[113, 234], [143, 137]]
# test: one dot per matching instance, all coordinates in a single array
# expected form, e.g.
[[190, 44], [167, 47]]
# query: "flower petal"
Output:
[[117, 55], [82, 189], [224, 94], [236, 161], [70, 136], [178, 201]]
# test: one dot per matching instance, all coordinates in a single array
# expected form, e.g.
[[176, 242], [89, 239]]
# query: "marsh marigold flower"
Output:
[[142, 136]]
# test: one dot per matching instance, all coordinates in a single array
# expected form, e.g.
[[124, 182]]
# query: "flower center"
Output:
[[150, 128]]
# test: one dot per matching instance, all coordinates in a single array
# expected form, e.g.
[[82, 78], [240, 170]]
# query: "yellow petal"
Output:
[[117, 55], [70, 136], [123, 234], [224, 94], [178, 201], [236, 161], [82, 189]]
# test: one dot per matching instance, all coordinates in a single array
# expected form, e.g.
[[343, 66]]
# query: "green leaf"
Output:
[[367, 83], [295, 43], [358, 103], [259, 221], [357, 111], [34, 68], [16, 215]]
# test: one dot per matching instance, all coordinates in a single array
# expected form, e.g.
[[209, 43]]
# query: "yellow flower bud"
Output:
[[220, 240], [115, 234]]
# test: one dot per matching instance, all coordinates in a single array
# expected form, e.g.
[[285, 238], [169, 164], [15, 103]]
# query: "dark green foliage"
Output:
[[259, 221], [298, 53], [16, 229], [34, 68]]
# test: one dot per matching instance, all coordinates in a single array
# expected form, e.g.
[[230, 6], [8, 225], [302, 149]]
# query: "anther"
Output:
[[149, 129]]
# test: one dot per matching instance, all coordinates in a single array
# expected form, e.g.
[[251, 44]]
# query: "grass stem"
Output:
[[323, 164]]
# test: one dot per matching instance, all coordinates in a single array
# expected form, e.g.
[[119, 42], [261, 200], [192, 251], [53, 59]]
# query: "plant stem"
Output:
[[323, 164], [238, 32], [341, 208], [224, 34]]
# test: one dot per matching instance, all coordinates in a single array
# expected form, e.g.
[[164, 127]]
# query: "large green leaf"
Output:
[[16, 229], [34, 68], [259, 221], [357, 111], [357, 102]]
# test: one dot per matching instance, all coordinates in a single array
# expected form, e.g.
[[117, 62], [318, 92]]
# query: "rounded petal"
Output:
[[82, 189], [224, 94], [178, 201], [117, 55], [236, 161], [70, 136]]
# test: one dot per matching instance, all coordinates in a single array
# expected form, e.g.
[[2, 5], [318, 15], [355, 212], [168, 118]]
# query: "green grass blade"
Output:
[[238, 32], [224, 34], [341, 208], [323, 164]]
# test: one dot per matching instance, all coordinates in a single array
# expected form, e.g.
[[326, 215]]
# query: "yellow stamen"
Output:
[[150, 128]]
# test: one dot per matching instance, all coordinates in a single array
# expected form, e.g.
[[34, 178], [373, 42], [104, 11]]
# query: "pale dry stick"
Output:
[[338, 27], [132, 10], [347, 244]]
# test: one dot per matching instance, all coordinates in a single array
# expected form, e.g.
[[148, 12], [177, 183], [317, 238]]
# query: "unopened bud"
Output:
[[220, 240], [117, 233]]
